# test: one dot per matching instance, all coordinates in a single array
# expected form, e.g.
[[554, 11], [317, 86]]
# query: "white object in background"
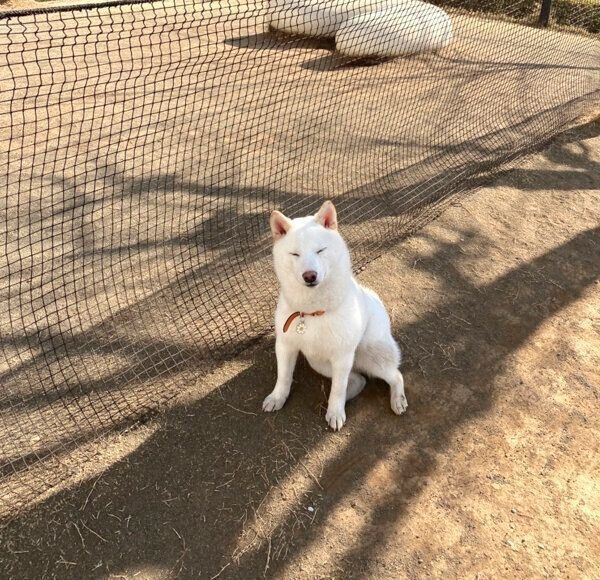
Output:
[[409, 27], [321, 18]]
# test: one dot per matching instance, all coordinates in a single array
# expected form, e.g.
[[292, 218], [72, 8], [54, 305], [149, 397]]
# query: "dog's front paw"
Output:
[[399, 403], [273, 402], [336, 418]]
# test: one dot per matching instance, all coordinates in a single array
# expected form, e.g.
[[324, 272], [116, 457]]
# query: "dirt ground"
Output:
[[145, 146], [114, 238], [493, 471]]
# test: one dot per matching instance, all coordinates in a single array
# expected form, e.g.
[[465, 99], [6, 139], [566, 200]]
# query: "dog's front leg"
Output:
[[340, 371], [286, 361]]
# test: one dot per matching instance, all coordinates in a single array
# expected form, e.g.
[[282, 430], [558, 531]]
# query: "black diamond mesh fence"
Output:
[[142, 146]]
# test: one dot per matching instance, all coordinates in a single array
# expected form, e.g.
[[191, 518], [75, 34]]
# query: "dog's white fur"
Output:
[[352, 339]]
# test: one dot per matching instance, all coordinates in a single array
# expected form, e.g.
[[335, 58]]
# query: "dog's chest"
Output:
[[313, 338]]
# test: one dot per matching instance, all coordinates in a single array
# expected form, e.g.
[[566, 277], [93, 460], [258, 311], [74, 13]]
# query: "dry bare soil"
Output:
[[493, 471]]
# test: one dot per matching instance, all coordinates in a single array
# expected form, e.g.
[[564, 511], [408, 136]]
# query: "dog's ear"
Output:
[[279, 225], [327, 216]]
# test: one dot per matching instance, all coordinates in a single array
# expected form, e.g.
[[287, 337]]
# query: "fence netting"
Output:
[[143, 145]]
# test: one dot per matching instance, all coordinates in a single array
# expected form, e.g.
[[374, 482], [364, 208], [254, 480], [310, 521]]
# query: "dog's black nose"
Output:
[[310, 277]]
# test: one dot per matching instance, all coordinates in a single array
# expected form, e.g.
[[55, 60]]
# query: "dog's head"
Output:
[[308, 251]]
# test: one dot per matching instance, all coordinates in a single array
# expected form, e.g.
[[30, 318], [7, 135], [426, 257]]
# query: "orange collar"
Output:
[[295, 315]]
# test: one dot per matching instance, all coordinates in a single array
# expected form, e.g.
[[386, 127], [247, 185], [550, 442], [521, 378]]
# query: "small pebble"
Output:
[[310, 508]]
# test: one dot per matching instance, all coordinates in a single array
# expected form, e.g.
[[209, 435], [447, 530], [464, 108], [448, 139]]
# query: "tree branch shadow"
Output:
[[126, 334], [215, 462]]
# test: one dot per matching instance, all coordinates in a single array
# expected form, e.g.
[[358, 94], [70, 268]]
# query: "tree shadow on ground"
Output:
[[150, 359], [180, 503]]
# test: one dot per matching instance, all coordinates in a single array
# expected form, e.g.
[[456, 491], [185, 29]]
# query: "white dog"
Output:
[[341, 328]]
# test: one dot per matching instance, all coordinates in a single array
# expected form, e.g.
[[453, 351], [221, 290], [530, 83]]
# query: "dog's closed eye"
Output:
[[294, 254], [321, 250]]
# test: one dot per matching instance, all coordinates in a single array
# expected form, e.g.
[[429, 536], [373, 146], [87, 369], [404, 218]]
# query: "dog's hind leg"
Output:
[[356, 383], [381, 359], [398, 400]]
